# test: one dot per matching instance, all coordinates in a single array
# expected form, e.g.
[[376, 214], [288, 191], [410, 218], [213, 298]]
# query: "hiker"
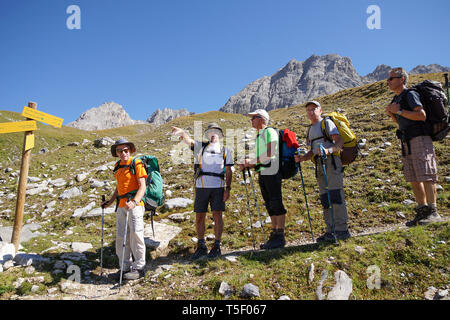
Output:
[[213, 177], [266, 164], [334, 172], [418, 157], [131, 207]]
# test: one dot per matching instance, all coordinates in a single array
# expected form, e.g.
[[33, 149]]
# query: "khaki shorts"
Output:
[[420, 165]]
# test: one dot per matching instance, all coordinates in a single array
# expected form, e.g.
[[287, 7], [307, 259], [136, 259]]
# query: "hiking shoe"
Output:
[[421, 213], [134, 274], [276, 241], [200, 252], [343, 235], [214, 252], [326, 237], [433, 216], [116, 275]]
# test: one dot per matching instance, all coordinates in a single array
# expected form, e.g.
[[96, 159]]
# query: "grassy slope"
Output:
[[374, 189]]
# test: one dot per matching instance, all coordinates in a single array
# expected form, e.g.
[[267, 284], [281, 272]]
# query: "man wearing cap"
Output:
[[418, 156], [213, 175], [267, 165], [129, 191], [334, 170]]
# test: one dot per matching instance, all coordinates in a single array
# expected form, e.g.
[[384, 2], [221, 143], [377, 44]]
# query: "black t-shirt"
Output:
[[408, 100]]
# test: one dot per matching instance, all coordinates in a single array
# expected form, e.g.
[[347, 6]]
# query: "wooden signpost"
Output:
[[28, 126]]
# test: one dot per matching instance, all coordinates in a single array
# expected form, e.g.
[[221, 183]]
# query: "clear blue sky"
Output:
[[195, 54]]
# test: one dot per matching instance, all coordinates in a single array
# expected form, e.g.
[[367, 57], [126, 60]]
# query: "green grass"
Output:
[[369, 182]]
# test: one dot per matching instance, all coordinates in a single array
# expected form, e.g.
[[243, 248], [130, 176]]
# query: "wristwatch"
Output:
[[399, 112], [135, 202]]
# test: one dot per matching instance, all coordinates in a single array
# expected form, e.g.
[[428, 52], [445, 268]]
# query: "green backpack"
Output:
[[154, 195]]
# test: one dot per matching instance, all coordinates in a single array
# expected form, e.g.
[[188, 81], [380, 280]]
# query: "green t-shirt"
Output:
[[265, 136]]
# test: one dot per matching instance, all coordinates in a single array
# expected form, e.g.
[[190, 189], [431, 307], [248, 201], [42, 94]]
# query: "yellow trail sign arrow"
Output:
[[42, 117], [8, 127]]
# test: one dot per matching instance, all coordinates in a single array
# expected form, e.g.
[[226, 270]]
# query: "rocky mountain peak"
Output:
[[108, 115], [165, 115]]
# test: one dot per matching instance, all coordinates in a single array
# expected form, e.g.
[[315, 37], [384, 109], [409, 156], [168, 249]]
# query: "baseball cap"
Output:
[[260, 112], [313, 102]]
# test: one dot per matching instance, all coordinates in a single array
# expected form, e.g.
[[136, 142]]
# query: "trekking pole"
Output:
[[101, 250], [302, 152], [257, 205], [446, 85], [248, 209], [323, 157]]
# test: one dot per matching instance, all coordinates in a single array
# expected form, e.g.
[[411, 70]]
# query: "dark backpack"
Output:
[[154, 195], [434, 102], [287, 165]]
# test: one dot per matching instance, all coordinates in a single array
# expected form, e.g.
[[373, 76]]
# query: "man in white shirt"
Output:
[[213, 177]]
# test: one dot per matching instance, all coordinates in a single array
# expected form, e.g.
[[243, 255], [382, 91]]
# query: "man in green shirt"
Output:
[[266, 164]]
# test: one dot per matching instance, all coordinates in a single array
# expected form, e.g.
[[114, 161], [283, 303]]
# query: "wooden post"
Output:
[[22, 189]]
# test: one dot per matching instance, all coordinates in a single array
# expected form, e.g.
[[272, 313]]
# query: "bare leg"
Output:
[[218, 224]]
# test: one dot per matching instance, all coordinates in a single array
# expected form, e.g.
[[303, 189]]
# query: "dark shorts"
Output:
[[271, 192], [205, 196]]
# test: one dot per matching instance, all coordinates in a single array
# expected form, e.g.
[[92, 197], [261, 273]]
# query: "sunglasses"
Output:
[[126, 150], [390, 78], [255, 117]]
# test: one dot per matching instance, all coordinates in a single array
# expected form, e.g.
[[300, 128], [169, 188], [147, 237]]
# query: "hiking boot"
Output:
[[200, 252], [421, 213], [276, 241], [433, 216], [116, 275], [134, 274], [326, 237], [343, 235], [214, 252]]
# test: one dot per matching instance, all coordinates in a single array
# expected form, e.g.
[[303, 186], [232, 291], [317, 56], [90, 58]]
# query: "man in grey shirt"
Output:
[[334, 169]]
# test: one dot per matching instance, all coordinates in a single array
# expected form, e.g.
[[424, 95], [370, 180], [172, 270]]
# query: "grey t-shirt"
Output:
[[411, 99], [315, 133], [212, 161]]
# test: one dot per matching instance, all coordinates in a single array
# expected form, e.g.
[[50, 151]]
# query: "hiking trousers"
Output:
[[337, 195], [135, 245]]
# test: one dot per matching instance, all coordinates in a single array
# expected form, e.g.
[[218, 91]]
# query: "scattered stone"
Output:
[[323, 278], [164, 233], [60, 182], [430, 293], [178, 203], [29, 231], [408, 202], [103, 142], [34, 288], [250, 291], [311, 273], [231, 258], [360, 249], [439, 187], [30, 270], [225, 290], [177, 217], [441, 294], [81, 246], [70, 193], [72, 256], [210, 237], [81, 211], [8, 264], [400, 215], [284, 298], [343, 287], [80, 177], [7, 251], [69, 286], [43, 150]]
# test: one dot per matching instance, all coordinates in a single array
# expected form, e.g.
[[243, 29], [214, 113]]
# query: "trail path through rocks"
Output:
[[109, 290]]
